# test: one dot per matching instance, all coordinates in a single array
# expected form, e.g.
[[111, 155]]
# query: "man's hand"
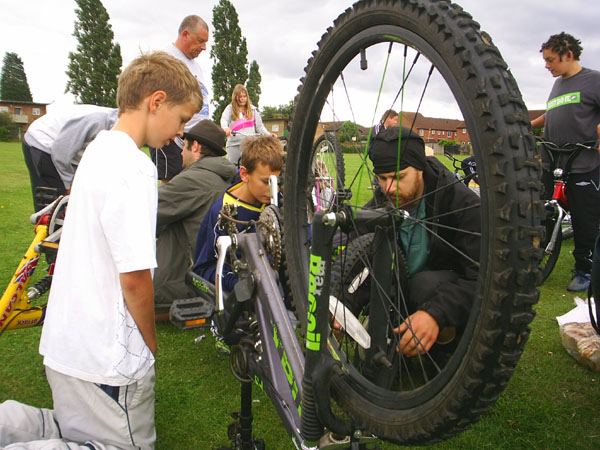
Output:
[[419, 329]]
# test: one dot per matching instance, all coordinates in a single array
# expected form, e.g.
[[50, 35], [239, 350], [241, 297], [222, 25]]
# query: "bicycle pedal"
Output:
[[222, 347], [191, 313]]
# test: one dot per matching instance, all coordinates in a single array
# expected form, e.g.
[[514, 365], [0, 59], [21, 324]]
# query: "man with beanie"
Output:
[[182, 204], [441, 244]]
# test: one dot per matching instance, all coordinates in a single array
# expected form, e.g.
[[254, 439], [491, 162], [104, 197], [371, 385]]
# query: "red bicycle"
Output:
[[558, 219]]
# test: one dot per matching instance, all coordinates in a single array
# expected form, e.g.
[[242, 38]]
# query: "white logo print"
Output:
[[586, 183]]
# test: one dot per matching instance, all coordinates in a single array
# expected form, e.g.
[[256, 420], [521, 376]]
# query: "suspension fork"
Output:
[[311, 423], [379, 309], [320, 366]]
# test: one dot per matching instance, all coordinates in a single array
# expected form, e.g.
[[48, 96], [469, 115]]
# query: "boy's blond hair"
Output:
[[157, 71], [262, 149]]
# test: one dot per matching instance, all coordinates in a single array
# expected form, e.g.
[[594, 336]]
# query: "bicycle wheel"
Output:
[[442, 396], [551, 257], [328, 169]]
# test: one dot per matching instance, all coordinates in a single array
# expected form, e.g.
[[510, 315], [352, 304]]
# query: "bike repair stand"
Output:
[[240, 431]]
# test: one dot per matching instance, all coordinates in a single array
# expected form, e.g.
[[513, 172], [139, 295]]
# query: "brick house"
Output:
[[23, 113], [433, 130]]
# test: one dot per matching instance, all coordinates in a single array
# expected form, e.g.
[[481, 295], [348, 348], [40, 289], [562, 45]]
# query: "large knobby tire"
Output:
[[496, 330]]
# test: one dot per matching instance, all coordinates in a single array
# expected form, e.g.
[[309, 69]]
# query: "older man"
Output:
[[190, 42], [182, 204]]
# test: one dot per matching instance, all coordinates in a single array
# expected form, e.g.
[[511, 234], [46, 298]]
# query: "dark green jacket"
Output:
[[182, 204]]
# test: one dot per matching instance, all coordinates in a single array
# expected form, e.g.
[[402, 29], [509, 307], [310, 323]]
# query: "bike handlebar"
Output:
[[570, 150]]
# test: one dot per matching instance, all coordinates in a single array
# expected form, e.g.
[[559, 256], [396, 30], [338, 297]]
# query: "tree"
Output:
[[8, 128], [253, 85], [270, 112], [347, 131], [445, 142], [95, 66], [13, 83], [230, 56]]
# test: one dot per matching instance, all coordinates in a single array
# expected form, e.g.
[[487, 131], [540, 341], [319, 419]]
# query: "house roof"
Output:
[[19, 102], [535, 113], [419, 121], [432, 123]]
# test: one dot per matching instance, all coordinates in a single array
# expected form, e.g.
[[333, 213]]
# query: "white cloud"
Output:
[[281, 36]]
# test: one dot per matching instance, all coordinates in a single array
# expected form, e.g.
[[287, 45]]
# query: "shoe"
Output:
[[580, 282]]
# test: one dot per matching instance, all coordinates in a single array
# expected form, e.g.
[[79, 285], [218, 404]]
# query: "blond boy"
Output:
[[99, 339]]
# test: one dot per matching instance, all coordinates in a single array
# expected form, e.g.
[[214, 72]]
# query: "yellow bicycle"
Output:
[[17, 308]]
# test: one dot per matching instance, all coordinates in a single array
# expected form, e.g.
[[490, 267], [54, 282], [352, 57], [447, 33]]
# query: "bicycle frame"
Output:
[[279, 363], [560, 171], [15, 303], [272, 357]]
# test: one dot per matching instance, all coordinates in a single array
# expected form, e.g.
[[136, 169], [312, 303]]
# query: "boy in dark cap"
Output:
[[182, 205], [441, 257]]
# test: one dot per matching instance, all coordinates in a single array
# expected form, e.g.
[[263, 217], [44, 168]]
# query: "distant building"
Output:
[[277, 125], [23, 113], [433, 130]]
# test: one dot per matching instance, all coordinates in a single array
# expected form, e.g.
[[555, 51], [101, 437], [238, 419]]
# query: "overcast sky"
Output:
[[280, 36]]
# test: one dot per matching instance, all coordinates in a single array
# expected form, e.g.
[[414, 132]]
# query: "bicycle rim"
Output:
[[328, 171], [447, 401]]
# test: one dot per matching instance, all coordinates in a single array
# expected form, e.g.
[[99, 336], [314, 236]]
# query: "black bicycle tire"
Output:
[[497, 121], [353, 252], [549, 261], [352, 258]]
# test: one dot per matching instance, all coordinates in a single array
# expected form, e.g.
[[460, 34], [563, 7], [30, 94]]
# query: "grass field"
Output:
[[551, 401]]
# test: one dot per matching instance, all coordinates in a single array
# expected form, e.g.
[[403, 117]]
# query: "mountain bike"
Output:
[[557, 223], [329, 171], [18, 308], [465, 171], [413, 52]]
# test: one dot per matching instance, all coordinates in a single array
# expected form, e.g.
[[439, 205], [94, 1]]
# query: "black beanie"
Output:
[[384, 150]]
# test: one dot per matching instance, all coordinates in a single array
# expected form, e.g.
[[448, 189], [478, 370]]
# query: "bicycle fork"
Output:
[[560, 214], [320, 365]]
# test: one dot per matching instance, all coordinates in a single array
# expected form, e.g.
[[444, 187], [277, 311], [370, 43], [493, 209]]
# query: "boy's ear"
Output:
[[244, 174], [157, 98]]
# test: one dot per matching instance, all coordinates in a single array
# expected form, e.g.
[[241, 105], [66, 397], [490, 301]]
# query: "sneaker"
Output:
[[580, 282]]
